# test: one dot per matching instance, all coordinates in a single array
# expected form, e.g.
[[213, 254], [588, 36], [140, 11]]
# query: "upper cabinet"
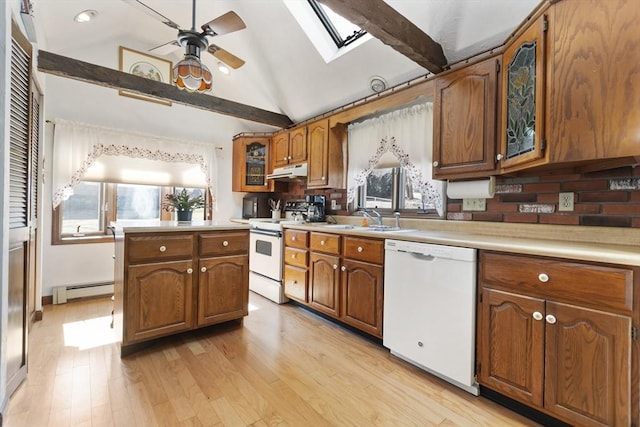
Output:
[[251, 164], [290, 147], [325, 168], [465, 111], [522, 140], [594, 51]]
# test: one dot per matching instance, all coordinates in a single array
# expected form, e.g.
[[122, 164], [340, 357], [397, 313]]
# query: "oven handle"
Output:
[[274, 233]]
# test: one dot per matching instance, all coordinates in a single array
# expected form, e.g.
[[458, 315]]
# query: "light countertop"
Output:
[[173, 226]]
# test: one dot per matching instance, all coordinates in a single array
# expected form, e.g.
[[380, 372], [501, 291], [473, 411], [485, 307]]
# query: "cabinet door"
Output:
[[280, 147], [223, 289], [251, 164], [588, 366], [159, 300], [511, 342], [523, 90], [318, 167], [464, 133], [362, 296], [324, 279], [298, 145]]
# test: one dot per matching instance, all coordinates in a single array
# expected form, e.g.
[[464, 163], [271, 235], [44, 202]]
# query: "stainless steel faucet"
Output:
[[378, 218]]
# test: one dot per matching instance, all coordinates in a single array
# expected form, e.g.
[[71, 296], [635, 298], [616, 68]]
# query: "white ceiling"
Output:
[[283, 71]]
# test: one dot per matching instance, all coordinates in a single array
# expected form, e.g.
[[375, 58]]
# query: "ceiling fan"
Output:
[[194, 41]]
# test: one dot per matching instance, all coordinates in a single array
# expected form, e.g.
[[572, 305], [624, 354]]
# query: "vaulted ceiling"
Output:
[[283, 72]]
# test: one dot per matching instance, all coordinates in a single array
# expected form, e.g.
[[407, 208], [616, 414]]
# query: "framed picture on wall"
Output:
[[147, 66]]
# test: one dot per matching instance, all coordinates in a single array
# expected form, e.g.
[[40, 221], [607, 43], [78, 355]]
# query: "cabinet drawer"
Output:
[[325, 242], [220, 244], [297, 257], [368, 250], [569, 281], [295, 283], [155, 248], [296, 238]]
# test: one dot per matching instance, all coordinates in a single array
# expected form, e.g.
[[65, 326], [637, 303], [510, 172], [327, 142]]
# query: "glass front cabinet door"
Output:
[[251, 164], [523, 91]]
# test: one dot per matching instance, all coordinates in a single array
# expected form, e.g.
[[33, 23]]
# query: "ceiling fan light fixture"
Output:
[[192, 75]]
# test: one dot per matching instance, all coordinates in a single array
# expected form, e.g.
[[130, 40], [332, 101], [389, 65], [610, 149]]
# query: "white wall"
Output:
[[81, 102]]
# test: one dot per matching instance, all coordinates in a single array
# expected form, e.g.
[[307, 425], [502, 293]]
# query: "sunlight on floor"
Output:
[[90, 333], [253, 307]]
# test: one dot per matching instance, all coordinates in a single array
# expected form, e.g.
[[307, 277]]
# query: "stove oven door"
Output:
[[265, 253]]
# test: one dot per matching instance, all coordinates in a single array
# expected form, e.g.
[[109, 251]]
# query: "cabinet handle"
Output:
[[537, 315], [163, 248], [360, 249], [335, 266], [343, 268], [435, 164], [499, 157], [225, 243], [203, 269], [189, 270], [551, 319], [543, 277], [322, 242]]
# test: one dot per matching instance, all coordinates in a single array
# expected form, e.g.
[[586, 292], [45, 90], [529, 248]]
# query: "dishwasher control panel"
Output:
[[429, 249]]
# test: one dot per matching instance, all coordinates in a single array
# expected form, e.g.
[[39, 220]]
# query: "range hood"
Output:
[[289, 172]]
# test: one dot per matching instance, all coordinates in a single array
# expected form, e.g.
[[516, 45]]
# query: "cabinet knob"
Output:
[[551, 318], [293, 256], [499, 157], [289, 158], [323, 178], [322, 242], [420, 344], [284, 158], [435, 164], [543, 277], [343, 268], [295, 282], [203, 269], [335, 266], [537, 315], [163, 248], [360, 249], [293, 238], [225, 243], [189, 270]]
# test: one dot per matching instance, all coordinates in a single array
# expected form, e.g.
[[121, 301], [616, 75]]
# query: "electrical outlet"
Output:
[[565, 202], [474, 204], [334, 204]]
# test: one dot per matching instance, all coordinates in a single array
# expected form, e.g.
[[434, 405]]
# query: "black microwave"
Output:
[[256, 206]]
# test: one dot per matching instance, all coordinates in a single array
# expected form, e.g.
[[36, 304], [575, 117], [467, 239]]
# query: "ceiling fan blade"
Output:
[[165, 48], [224, 24], [149, 11], [225, 56]]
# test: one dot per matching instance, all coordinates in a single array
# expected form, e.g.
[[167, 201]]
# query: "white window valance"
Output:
[[405, 135], [83, 152]]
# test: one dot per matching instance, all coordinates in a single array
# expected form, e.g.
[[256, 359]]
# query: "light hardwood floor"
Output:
[[283, 366]]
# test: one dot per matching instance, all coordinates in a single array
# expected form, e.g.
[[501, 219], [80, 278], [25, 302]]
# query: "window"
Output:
[[340, 29], [389, 190], [85, 216]]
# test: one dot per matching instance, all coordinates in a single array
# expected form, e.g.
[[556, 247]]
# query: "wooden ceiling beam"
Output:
[[390, 27], [63, 66]]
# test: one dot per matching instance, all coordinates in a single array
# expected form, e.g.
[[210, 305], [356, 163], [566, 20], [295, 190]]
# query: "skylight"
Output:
[[342, 31]]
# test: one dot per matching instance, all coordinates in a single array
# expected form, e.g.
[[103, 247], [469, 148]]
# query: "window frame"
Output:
[[327, 23], [108, 215]]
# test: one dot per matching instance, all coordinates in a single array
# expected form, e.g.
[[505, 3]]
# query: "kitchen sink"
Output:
[[384, 228]]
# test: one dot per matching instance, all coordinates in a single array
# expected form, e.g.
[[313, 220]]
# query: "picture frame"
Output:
[[145, 65]]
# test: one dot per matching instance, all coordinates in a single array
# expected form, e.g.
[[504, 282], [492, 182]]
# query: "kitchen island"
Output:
[[174, 277]]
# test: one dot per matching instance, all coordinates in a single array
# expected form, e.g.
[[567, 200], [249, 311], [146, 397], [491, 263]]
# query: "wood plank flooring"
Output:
[[283, 366]]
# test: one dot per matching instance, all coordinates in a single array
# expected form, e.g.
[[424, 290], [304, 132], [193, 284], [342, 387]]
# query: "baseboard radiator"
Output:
[[63, 293]]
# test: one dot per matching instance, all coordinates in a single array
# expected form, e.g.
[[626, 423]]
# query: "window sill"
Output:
[[81, 240]]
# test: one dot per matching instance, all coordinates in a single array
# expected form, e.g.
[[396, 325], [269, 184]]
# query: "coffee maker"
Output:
[[316, 208]]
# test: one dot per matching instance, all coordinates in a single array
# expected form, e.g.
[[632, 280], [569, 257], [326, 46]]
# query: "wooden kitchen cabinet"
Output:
[[296, 262], [324, 273], [251, 164], [325, 166], [362, 284], [169, 282], [557, 336], [290, 147], [465, 120]]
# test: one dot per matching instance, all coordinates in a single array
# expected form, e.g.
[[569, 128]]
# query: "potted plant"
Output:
[[183, 203]]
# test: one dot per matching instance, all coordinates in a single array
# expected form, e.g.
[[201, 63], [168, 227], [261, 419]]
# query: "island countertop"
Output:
[[173, 226]]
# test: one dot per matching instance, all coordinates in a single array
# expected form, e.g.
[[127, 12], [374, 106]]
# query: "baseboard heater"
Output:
[[63, 293]]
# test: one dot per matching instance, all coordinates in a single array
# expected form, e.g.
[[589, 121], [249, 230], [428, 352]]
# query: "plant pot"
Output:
[[184, 216]]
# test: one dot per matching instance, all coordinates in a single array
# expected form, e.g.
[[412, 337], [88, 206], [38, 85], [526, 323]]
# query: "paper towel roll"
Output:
[[478, 189]]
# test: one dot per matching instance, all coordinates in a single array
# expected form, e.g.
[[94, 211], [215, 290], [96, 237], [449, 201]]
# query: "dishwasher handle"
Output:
[[421, 256]]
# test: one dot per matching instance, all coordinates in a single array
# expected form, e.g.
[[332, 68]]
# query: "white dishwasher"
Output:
[[430, 308]]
